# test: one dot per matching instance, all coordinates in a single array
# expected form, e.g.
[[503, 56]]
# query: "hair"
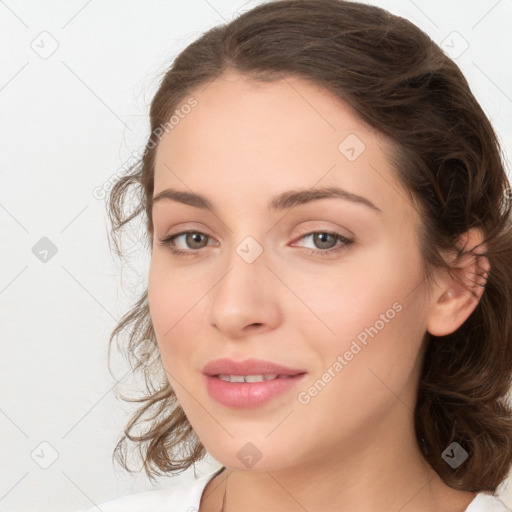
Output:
[[445, 154]]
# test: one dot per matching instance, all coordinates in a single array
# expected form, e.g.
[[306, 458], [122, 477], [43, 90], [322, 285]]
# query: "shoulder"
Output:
[[184, 497], [484, 502]]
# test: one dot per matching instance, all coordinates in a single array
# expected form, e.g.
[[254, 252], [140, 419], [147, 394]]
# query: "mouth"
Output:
[[250, 383]]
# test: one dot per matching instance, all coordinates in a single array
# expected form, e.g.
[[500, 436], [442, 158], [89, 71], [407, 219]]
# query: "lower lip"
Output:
[[248, 394]]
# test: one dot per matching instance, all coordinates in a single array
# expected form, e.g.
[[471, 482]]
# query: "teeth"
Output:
[[247, 378]]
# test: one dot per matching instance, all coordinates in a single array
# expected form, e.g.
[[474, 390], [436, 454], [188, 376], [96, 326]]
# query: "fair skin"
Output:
[[352, 446]]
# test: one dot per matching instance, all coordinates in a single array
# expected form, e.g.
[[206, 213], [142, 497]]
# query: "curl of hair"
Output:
[[448, 159]]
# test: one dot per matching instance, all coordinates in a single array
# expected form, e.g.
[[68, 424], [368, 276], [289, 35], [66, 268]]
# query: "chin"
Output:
[[248, 457]]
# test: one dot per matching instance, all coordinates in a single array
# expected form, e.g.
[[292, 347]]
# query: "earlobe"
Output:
[[461, 287]]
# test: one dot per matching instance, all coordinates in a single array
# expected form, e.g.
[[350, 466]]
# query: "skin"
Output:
[[352, 447]]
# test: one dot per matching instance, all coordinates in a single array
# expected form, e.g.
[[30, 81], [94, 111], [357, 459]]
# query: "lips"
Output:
[[239, 384], [226, 366]]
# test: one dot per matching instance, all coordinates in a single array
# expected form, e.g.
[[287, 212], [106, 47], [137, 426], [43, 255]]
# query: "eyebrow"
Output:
[[282, 201]]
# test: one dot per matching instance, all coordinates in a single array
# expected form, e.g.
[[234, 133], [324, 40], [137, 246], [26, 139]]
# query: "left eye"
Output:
[[324, 238], [319, 237]]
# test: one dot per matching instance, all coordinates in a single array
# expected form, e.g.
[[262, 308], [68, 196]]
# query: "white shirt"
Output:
[[186, 498]]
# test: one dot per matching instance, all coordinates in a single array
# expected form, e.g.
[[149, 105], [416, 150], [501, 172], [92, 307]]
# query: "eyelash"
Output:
[[169, 243]]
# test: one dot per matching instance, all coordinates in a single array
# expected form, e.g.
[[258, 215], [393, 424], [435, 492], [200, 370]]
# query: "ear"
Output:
[[460, 289]]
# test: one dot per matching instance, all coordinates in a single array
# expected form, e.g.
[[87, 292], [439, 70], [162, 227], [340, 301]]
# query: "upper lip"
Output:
[[226, 366]]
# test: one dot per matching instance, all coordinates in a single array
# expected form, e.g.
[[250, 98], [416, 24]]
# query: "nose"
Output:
[[244, 300]]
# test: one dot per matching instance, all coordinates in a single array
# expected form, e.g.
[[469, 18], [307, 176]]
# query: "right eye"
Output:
[[191, 237]]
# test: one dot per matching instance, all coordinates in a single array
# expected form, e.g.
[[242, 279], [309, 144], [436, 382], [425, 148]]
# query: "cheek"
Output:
[[172, 295], [378, 324], [170, 320], [365, 374], [171, 304], [360, 298]]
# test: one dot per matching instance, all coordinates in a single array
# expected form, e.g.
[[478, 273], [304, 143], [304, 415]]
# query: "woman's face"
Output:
[[250, 286]]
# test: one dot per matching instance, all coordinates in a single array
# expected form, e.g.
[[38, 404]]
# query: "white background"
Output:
[[69, 122]]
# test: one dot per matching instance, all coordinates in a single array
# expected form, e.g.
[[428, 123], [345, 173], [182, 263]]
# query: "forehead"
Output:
[[236, 107], [253, 137]]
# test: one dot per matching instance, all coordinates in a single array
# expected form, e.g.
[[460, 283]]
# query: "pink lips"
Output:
[[248, 394]]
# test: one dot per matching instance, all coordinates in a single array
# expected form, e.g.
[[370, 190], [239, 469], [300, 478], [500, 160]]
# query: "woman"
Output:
[[329, 296]]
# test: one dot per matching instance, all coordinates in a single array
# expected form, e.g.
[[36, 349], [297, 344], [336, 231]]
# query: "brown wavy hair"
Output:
[[449, 159]]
